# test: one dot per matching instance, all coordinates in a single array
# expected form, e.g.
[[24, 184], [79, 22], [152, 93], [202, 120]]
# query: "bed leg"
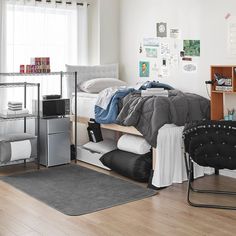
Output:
[[117, 135]]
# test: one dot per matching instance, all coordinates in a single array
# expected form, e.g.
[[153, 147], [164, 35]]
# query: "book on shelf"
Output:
[[154, 89], [145, 93], [224, 88]]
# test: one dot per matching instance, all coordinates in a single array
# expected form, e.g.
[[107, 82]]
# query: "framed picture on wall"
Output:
[[144, 69], [161, 29], [192, 48]]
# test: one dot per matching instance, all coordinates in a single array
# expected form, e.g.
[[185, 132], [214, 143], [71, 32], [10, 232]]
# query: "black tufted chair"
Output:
[[210, 144]]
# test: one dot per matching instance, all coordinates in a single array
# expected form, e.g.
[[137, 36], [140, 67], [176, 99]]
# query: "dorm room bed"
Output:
[[85, 110], [87, 101]]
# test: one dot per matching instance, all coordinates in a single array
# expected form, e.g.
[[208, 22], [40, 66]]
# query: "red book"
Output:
[[28, 69], [32, 68], [22, 69]]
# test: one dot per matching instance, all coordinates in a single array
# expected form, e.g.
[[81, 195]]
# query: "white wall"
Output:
[[197, 19], [103, 32], [94, 33], [109, 31]]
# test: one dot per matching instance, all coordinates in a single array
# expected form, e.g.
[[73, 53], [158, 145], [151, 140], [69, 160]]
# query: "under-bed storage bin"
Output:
[[15, 147], [92, 152], [90, 157]]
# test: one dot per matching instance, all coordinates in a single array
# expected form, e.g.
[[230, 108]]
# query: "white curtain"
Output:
[[39, 29], [2, 55], [58, 31], [82, 34], [2, 36]]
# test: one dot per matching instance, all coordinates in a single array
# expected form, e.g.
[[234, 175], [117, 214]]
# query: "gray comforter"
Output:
[[149, 114]]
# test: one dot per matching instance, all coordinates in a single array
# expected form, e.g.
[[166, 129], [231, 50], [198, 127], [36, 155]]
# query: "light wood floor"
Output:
[[164, 214]]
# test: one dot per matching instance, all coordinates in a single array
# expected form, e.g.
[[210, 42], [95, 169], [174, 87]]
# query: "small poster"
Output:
[[162, 29], [144, 68], [151, 42], [189, 68], [192, 48], [174, 33], [151, 52], [165, 71], [165, 49], [174, 61]]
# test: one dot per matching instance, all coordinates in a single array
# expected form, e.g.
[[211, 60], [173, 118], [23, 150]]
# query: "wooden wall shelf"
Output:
[[217, 97], [227, 92]]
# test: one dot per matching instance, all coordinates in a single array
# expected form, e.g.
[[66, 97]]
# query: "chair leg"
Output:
[[217, 172], [188, 166], [186, 163], [191, 189], [192, 171]]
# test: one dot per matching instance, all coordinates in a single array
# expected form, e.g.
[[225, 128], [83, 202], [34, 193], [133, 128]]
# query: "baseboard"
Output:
[[228, 173]]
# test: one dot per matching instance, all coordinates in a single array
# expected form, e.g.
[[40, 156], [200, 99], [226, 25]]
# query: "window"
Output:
[[41, 31]]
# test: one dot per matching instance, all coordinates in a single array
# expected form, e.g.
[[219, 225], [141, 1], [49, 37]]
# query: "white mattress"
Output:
[[85, 104], [85, 108]]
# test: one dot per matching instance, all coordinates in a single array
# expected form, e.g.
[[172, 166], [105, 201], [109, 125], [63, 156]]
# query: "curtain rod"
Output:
[[67, 2]]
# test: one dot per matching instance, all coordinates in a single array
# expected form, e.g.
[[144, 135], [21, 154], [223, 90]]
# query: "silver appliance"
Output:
[[50, 108], [54, 141]]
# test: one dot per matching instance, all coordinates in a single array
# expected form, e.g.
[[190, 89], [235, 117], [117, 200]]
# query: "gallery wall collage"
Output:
[[167, 51]]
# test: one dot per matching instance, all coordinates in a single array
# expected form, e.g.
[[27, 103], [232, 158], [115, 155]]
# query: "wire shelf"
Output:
[[22, 84], [20, 117], [37, 74]]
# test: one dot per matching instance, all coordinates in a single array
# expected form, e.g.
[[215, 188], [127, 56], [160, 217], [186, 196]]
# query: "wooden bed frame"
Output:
[[119, 129]]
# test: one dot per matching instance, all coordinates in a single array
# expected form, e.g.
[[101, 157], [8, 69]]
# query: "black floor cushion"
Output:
[[134, 166]]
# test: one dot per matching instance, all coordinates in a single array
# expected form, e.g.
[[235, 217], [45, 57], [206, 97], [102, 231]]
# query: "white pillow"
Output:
[[134, 144], [98, 84]]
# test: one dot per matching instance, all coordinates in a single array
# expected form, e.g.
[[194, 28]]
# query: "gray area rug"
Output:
[[75, 190]]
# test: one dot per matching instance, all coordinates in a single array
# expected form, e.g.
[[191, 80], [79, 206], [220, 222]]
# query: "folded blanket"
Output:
[[105, 97], [109, 115], [15, 108], [14, 103], [6, 113]]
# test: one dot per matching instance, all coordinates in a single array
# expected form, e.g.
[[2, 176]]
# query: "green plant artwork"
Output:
[[192, 48]]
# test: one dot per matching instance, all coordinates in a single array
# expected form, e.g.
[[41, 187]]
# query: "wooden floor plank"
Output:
[[164, 214]]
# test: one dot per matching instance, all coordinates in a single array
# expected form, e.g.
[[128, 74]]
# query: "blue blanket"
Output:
[[110, 114]]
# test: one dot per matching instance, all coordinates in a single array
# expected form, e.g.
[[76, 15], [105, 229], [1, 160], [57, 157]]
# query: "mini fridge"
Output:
[[54, 141]]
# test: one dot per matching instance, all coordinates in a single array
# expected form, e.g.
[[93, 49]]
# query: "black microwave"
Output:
[[53, 107]]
